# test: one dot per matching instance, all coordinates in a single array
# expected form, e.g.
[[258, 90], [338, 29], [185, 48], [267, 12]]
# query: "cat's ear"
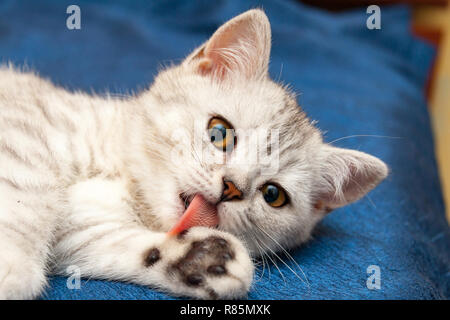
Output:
[[346, 176], [240, 47]]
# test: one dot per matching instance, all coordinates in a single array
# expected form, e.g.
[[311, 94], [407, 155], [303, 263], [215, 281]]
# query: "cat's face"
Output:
[[227, 125]]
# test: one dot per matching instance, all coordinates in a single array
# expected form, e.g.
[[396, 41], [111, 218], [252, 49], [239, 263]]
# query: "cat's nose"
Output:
[[230, 191]]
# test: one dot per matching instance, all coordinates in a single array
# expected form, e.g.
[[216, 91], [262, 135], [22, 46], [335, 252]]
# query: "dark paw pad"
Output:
[[194, 279], [216, 269], [207, 256], [151, 257]]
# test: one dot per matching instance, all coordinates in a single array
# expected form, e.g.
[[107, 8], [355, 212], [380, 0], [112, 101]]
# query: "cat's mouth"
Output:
[[198, 212], [186, 199]]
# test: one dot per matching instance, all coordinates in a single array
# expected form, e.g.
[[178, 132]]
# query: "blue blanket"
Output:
[[354, 81]]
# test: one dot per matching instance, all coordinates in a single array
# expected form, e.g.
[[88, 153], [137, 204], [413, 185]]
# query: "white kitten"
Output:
[[97, 182]]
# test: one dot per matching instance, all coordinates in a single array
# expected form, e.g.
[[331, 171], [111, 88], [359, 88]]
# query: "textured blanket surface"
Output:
[[354, 81]]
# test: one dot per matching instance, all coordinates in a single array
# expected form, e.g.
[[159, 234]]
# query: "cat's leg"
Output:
[[102, 240], [27, 220]]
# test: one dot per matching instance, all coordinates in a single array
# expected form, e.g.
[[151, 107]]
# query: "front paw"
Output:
[[203, 263], [21, 277]]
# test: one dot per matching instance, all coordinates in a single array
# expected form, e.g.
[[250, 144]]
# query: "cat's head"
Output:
[[281, 189]]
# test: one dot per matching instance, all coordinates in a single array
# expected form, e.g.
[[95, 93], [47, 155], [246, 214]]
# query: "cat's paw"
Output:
[[20, 276], [203, 263]]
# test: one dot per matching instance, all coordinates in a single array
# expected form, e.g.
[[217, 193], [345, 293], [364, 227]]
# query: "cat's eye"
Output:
[[221, 134], [274, 195]]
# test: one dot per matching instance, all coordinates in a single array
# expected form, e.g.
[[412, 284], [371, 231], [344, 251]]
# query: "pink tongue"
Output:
[[199, 213]]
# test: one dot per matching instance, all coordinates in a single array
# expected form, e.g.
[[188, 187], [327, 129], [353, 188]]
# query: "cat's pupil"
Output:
[[218, 133], [271, 193]]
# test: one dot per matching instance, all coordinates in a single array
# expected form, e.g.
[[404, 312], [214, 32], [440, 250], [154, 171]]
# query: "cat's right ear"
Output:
[[239, 48]]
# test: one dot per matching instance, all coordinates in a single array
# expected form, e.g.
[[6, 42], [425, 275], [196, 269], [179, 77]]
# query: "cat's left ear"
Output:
[[239, 48], [346, 176]]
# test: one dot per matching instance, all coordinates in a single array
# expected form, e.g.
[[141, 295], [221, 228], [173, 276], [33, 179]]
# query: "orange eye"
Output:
[[274, 195], [221, 134]]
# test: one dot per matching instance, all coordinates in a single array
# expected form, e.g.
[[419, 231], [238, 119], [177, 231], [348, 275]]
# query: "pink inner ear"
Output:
[[350, 174], [240, 47], [219, 47], [215, 54]]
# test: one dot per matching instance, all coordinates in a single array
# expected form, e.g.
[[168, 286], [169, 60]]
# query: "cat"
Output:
[[120, 188]]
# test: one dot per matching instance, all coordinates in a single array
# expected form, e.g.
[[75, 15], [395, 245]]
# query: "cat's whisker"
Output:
[[261, 254], [261, 245], [264, 255], [273, 261], [283, 249], [197, 157], [261, 263], [363, 135], [120, 95], [281, 72], [288, 255], [287, 266]]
